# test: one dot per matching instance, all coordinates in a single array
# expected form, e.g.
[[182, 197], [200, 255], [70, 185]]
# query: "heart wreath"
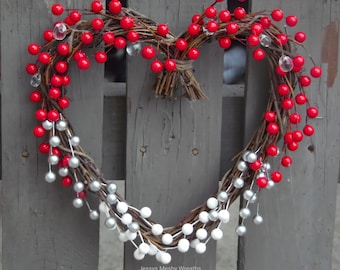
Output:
[[172, 60]]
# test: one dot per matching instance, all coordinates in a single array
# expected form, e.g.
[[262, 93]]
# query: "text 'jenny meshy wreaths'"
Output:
[[171, 59]]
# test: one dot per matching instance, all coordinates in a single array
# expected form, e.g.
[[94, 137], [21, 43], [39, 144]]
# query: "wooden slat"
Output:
[[42, 229], [299, 212]]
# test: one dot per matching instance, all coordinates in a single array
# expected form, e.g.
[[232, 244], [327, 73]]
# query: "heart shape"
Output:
[[175, 56]]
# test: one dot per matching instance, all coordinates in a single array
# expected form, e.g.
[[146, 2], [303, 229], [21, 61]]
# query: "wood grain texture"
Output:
[[41, 229], [168, 177], [299, 212]]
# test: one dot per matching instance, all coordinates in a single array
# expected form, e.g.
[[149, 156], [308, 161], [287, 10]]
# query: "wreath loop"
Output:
[[172, 59]]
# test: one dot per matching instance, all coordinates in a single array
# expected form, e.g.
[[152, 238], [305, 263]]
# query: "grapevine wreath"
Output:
[[171, 59]]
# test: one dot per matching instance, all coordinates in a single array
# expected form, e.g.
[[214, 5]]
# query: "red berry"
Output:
[[35, 96], [75, 16], [288, 137], [181, 44], [265, 22], [148, 52], [44, 58], [68, 21], [115, 7], [170, 65], [53, 115], [297, 135], [66, 181], [296, 69], [48, 35], [96, 6], [108, 37], [210, 12], [65, 160], [81, 194], [239, 13], [193, 54], [212, 26], [63, 49], [300, 37], [293, 146], [295, 118], [259, 54], [63, 102], [33, 49], [162, 29], [56, 151], [312, 112], [120, 42], [300, 99], [61, 66], [287, 104], [54, 93], [283, 89], [56, 80], [270, 116], [132, 36], [276, 176], [253, 40], [83, 63], [279, 71], [31, 69], [44, 148], [100, 57], [41, 115], [272, 150], [66, 80], [256, 28], [308, 130], [224, 15], [196, 18], [316, 72], [86, 38], [224, 42], [57, 9], [126, 22], [273, 128], [78, 55], [262, 182], [39, 131], [305, 81], [156, 66], [97, 24], [286, 161], [194, 29], [291, 20], [256, 165], [281, 39], [277, 14], [299, 61], [232, 28]]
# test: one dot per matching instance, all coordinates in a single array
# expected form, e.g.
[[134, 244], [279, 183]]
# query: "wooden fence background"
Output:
[[41, 229]]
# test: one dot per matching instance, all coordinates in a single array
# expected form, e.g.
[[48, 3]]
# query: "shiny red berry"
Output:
[[295, 118], [253, 40], [66, 80], [57, 9], [239, 13], [272, 150], [115, 7], [81, 194], [193, 53], [120, 42], [276, 176], [33, 48], [156, 66], [281, 39], [273, 128], [97, 24], [78, 55], [65, 161], [287, 104], [269, 116], [63, 102], [100, 57], [256, 165], [148, 52], [127, 22], [286, 161], [31, 69], [256, 28], [162, 29], [66, 181], [277, 14], [48, 35], [265, 22], [293, 146], [308, 130], [108, 37], [170, 64], [83, 63], [181, 44], [68, 21], [63, 49], [300, 37], [288, 137], [132, 36], [283, 89], [44, 58], [41, 115], [210, 12], [54, 93], [224, 15], [96, 6], [232, 28], [39, 131], [75, 16], [262, 182], [53, 115], [86, 38], [297, 135], [305, 80], [316, 72], [212, 26], [291, 20], [44, 148], [61, 66], [56, 80], [259, 54], [312, 112], [35, 96], [194, 29], [197, 18], [224, 42], [300, 99], [279, 71], [299, 60]]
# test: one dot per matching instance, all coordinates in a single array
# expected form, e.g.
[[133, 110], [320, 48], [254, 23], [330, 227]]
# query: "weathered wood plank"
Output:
[[299, 212], [41, 228], [168, 177]]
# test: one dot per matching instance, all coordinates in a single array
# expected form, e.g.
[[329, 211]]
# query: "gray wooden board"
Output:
[[168, 178], [299, 212], [41, 229]]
